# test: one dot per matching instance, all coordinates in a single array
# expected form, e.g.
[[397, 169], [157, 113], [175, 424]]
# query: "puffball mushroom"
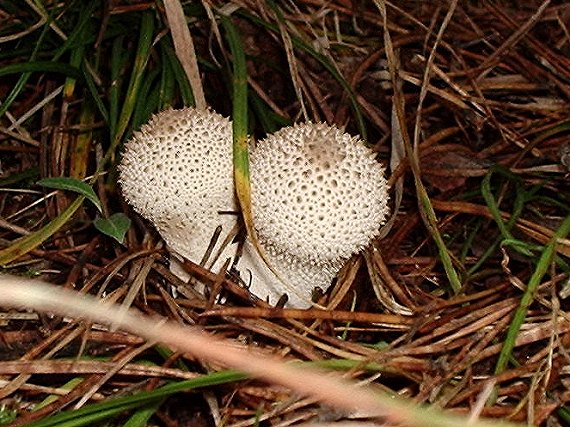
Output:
[[177, 172], [318, 197]]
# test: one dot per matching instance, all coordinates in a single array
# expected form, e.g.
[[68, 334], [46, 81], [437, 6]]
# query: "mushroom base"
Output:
[[296, 280]]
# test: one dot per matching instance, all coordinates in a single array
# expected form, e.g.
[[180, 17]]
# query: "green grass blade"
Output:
[[520, 200], [112, 407], [143, 110], [430, 220], [18, 86], [493, 207], [184, 49], [240, 122], [520, 314], [137, 74], [180, 77], [496, 213], [77, 36], [167, 87], [564, 413], [426, 207], [80, 153], [141, 416], [82, 420], [323, 60], [70, 385], [44, 67], [270, 121], [81, 33], [427, 212], [80, 39], [241, 141], [26, 244], [92, 90], [22, 80], [24, 177], [118, 59]]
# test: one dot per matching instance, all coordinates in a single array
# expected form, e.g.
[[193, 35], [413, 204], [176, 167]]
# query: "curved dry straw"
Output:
[[340, 393]]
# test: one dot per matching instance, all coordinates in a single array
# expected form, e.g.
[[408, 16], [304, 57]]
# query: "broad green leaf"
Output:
[[72, 184], [115, 226]]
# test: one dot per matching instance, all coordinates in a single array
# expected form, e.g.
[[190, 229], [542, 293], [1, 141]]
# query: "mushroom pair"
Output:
[[318, 196]]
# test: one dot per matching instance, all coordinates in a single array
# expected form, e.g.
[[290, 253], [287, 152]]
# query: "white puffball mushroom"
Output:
[[318, 197], [177, 172]]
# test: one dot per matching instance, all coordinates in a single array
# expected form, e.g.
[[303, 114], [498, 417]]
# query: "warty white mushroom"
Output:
[[318, 196], [177, 172]]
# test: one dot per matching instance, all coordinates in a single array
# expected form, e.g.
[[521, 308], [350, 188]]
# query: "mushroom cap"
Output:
[[177, 172], [317, 193]]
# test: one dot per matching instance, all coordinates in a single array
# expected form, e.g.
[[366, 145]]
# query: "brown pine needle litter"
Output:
[[457, 314]]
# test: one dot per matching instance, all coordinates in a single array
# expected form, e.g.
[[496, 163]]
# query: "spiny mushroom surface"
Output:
[[317, 192], [318, 197], [177, 172]]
